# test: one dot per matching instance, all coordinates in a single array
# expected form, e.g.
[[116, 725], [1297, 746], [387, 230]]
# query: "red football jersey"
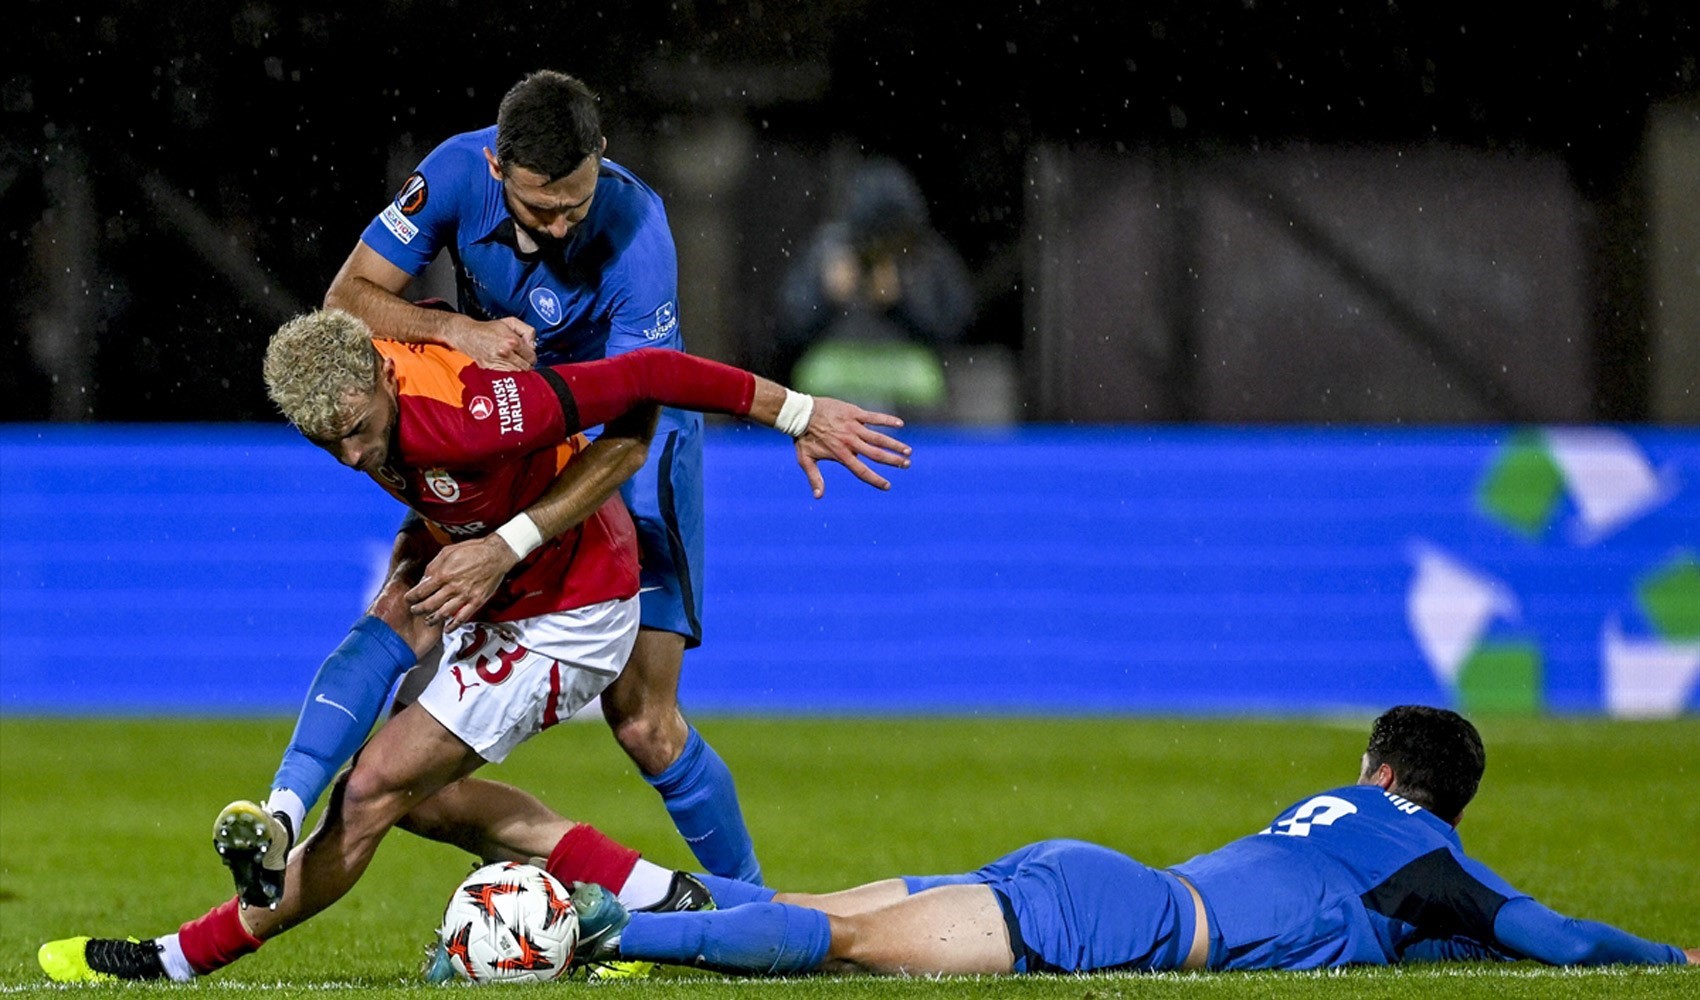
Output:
[[473, 448]]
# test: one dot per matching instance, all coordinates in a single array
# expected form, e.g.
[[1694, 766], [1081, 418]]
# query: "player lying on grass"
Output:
[[1370, 874], [467, 448]]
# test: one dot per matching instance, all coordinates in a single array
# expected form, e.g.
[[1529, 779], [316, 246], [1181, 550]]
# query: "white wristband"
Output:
[[794, 413], [521, 534]]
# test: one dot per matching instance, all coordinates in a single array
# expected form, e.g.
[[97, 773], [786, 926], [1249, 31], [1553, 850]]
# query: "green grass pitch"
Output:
[[105, 829]]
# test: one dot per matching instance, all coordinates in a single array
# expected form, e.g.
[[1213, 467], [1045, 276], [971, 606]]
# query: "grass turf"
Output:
[[105, 829]]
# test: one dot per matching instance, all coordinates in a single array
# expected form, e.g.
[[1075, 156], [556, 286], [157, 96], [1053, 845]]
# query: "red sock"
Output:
[[215, 940], [586, 854]]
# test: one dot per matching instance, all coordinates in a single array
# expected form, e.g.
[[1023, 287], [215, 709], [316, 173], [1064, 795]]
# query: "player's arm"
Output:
[[543, 408], [824, 428], [1527, 929], [522, 412], [370, 287], [463, 576]]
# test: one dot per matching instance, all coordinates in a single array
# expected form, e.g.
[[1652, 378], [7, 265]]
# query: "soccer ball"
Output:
[[509, 923]]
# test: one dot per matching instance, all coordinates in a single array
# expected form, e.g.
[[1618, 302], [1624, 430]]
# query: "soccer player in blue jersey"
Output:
[[560, 255], [1370, 874]]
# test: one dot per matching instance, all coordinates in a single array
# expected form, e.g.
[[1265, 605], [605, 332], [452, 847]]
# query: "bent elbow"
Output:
[[632, 458], [336, 296]]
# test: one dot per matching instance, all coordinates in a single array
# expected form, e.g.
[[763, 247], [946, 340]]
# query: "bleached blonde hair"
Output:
[[318, 365]]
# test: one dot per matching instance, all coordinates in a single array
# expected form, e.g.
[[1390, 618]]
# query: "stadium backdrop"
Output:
[[207, 570]]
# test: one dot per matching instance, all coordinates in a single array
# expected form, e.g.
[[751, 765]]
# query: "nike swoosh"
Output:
[[698, 840], [321, 699], [646, 590]]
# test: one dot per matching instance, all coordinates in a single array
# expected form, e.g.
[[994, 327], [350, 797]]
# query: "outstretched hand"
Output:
[[461, 579], [845, 433]]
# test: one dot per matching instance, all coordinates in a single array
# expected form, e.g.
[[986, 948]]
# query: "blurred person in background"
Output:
[[865, 310], [560, 255]]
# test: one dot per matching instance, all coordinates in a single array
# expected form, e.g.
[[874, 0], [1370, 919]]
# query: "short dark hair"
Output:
[[1436, 756], [548, 123]]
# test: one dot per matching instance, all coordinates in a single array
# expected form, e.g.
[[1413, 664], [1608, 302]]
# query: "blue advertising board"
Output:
[[1195, 570]]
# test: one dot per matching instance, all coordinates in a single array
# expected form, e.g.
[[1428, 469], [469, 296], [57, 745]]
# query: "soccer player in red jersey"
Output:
[[485, 454]]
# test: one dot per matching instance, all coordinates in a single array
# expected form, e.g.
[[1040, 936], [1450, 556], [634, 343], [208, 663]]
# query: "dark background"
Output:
[[227, 154]]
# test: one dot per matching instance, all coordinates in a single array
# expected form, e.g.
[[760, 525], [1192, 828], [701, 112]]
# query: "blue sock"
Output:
[[703, 802], [730, 892], [762, 938], [342, 704]]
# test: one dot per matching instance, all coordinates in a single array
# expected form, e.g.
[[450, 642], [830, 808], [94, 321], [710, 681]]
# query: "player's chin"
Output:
[[545, 241]]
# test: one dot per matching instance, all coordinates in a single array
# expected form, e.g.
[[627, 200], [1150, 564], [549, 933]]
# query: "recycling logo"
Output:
[[1582, 568]]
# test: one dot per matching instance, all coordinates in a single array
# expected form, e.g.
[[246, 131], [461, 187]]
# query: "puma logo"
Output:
[[464, 686]]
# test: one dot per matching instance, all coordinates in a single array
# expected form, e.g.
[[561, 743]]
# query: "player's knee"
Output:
[[372, 799], [641, 697], [851, 945], [657, 732], [391, 608]]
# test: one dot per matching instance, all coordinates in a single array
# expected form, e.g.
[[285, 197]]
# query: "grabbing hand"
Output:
[[844, 433], [460, 580], [505, 344]]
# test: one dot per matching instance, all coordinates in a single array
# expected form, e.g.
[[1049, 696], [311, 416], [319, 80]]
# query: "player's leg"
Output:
[[873, 895], [956, 929], [642, 706], [409, 759], [344, 700], [849, 902], [949, 930], [498, 822], [1057, 905], [489, 820], [504, 684], [886, 892]]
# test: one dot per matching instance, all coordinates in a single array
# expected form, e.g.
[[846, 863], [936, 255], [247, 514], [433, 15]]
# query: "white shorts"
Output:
[[501, 683]]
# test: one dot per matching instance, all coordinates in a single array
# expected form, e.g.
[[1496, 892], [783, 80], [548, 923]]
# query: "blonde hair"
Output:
[[317, 364]]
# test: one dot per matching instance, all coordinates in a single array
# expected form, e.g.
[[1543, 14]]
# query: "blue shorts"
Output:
[[1076, 907], [665, 498]]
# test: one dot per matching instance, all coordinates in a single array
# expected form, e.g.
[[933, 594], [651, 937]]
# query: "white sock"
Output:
[[284, 800], [647, 886], [171, 956]]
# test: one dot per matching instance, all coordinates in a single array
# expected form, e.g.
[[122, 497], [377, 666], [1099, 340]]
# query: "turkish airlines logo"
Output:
[[480, 407], [411, 198], [509, 406]]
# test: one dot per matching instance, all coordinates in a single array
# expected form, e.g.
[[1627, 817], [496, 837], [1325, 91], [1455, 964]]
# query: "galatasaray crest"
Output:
[[443, 485]]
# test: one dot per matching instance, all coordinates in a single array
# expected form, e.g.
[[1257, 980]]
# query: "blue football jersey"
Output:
[[612, 288], [1355, 875]]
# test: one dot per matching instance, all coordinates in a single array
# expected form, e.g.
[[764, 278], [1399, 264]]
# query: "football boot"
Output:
[[100, 960], [254, 845]]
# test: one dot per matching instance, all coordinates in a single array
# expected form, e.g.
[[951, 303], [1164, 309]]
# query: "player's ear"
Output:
[[600, 150], [495, 164], [389, 371]]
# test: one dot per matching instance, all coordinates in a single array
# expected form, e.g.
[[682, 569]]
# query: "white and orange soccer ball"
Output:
[[509, 923]]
